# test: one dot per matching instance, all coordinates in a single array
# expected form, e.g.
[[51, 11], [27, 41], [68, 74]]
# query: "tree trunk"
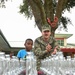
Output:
[[42, 11]]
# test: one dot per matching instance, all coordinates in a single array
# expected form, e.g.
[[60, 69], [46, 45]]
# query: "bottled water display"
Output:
[[58, 65], [10, 66], [13, 66], [52, 65], [31, 64]]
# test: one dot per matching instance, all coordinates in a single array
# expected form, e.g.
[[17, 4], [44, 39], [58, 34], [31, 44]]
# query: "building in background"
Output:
[[62, 39], [5, 46], [67, 49]]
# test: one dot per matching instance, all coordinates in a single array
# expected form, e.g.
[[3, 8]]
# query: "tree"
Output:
[[48, 11], [2, 3]]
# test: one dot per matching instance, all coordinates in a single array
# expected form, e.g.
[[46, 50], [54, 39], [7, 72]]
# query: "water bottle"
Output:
[[30, 64]]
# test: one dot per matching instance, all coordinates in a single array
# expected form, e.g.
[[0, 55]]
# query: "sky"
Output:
[[17, 28]]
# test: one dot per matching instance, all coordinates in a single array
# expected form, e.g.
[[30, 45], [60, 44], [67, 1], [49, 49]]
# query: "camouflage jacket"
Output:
[[40, 49]]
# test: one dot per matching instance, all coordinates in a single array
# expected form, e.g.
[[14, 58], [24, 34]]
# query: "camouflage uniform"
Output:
[[40, 49]]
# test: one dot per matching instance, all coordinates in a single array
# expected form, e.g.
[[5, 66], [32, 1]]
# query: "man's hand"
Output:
[[48, 48], [55, 50]]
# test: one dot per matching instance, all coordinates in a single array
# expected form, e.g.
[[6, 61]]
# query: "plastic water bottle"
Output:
[[30, 64]]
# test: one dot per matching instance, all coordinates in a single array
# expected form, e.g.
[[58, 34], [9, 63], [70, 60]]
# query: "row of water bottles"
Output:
[[10, 66], [13, 66], [58, 65], [31, 64]]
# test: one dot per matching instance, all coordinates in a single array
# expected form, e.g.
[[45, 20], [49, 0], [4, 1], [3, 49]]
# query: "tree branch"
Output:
[[49, 9], [64, 4], [60, 7], [42, 11], [36, 13]]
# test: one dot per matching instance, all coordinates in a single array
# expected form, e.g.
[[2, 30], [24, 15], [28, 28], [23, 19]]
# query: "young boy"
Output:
[[28, 47], [23, 52]]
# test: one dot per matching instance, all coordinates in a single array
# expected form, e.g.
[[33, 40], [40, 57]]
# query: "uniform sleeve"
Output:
[[37, 50], [19, 54], [56, 45]]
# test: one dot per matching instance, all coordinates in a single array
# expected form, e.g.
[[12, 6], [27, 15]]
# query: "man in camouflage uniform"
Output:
[[45, 45]]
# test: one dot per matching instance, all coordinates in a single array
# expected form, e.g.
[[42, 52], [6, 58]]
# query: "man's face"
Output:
[[46, 34]]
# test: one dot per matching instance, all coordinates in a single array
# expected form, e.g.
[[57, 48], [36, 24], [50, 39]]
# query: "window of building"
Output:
[[60, 42]]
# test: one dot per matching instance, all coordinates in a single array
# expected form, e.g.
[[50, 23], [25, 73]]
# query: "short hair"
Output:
[[28, 40]]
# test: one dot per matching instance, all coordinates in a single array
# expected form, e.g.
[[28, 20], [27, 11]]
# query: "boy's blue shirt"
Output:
[[22, 53]]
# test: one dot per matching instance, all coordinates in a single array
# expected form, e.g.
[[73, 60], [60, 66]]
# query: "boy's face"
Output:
[[28, 45]]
